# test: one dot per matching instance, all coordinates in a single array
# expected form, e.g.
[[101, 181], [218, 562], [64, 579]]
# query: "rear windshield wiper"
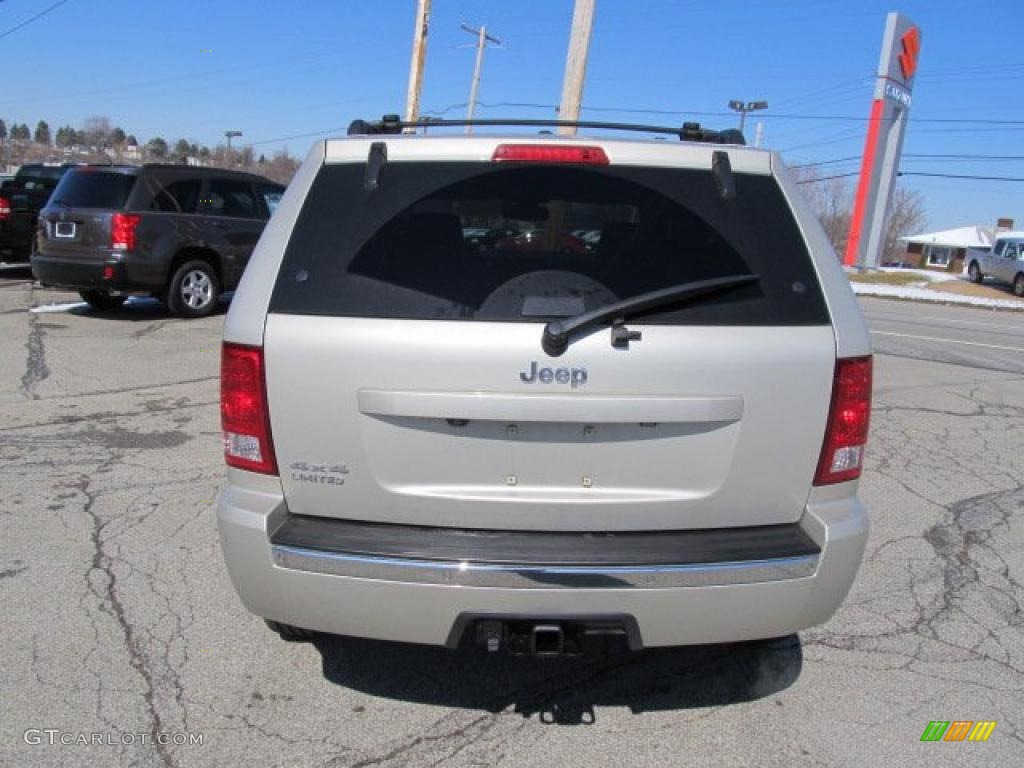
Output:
[[558, 332]]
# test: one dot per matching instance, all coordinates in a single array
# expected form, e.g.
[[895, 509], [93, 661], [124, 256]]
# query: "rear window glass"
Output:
[[39, 176], [473, 241], [94, 189]]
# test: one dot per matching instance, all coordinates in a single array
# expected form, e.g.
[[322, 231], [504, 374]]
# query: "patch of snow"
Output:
[[927, 274], [915, 293], [131, 301], [57, 307]]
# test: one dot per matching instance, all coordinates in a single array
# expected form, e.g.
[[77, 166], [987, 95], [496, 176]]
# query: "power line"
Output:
[[961, 176], [964, 157], [299, 136], [39, 15], [828, 162], [778, 115], [828, 178], [916, 156]]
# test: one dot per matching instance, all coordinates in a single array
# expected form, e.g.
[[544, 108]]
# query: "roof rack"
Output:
[[392, 124]]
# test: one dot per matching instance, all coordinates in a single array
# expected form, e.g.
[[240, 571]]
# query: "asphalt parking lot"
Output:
[[119, 618]]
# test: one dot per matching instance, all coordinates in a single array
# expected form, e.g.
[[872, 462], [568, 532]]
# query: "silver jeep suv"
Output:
[[525, 388]]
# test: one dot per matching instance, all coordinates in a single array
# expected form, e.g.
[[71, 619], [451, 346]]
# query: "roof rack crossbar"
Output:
[[390, 124]]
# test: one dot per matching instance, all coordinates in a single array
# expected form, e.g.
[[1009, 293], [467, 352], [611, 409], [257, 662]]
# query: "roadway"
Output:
[[979, 338], [119, 618]]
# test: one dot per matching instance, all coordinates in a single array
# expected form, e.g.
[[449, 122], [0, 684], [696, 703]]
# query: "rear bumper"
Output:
[[15, 242], [62, 272], [111, 273], [402, 598], [543, 560]]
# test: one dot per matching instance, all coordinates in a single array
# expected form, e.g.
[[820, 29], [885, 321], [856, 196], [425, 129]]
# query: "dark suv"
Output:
[[179, 233], [21, 198]]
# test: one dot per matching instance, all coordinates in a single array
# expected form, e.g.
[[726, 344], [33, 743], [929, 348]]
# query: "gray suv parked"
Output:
[[179, 233], [526, 441]]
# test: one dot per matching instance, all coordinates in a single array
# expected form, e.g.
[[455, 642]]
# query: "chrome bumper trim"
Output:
[[468, 574]]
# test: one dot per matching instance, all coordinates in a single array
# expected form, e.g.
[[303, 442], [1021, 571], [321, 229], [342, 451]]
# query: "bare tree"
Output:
[[906, 217], [832, 200], [97, 130]]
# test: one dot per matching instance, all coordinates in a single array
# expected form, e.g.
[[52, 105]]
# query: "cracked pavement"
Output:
[[120, 618]]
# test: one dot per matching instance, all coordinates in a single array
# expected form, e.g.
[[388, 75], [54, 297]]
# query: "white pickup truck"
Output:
[[1005, 262]]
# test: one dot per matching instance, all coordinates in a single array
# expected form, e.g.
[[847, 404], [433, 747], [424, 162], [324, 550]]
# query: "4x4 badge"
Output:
[[318, 474]]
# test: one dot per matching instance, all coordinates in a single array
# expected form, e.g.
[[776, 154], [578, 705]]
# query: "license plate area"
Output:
[[64, 230]]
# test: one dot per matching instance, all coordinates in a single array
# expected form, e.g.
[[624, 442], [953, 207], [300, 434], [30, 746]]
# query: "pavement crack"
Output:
[[111, 604], [35, 365], [9, 572]]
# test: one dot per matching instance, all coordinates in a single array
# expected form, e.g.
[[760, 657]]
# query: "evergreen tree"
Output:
[[42, 135], [157, 147]]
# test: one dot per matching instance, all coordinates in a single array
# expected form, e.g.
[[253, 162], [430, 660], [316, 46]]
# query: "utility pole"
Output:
[[419, 55], [230, 135], [482, 39], [576, 64], [744, 107]]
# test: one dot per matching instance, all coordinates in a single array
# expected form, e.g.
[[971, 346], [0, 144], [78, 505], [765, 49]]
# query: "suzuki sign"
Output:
[[890, 110]]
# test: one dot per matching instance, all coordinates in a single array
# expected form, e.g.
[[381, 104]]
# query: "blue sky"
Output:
[[277, 70]]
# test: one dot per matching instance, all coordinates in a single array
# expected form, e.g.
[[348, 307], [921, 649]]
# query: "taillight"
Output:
[[5, 209], [243, 410], [842, 453], [549, 153], [122, 231]]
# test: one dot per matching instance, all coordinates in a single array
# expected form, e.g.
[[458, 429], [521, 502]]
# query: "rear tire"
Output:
[[290, 633], [101, 301], [974, 271], [1018, 285], [194, 289]]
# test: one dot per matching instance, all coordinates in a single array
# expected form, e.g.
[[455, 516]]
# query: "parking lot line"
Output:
[[948, 341]]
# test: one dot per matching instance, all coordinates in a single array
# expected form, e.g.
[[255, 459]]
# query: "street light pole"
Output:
[[230, 135], [744, 107], [482, 38]]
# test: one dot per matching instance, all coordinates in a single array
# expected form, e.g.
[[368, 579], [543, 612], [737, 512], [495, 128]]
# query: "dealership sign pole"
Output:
[[886, 126]]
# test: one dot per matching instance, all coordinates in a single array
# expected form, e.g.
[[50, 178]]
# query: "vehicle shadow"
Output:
[[135, 310], [565, 690]]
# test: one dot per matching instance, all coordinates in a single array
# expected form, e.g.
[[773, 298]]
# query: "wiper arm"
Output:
[[558, 332]]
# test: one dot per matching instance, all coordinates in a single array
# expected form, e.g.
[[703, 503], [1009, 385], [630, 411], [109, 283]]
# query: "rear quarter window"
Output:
[[94, 189], [475, 241], [226, 197], [180, 196], [271, 197]]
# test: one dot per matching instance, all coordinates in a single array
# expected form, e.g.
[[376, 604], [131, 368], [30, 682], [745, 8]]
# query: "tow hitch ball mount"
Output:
[[533, 638]]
